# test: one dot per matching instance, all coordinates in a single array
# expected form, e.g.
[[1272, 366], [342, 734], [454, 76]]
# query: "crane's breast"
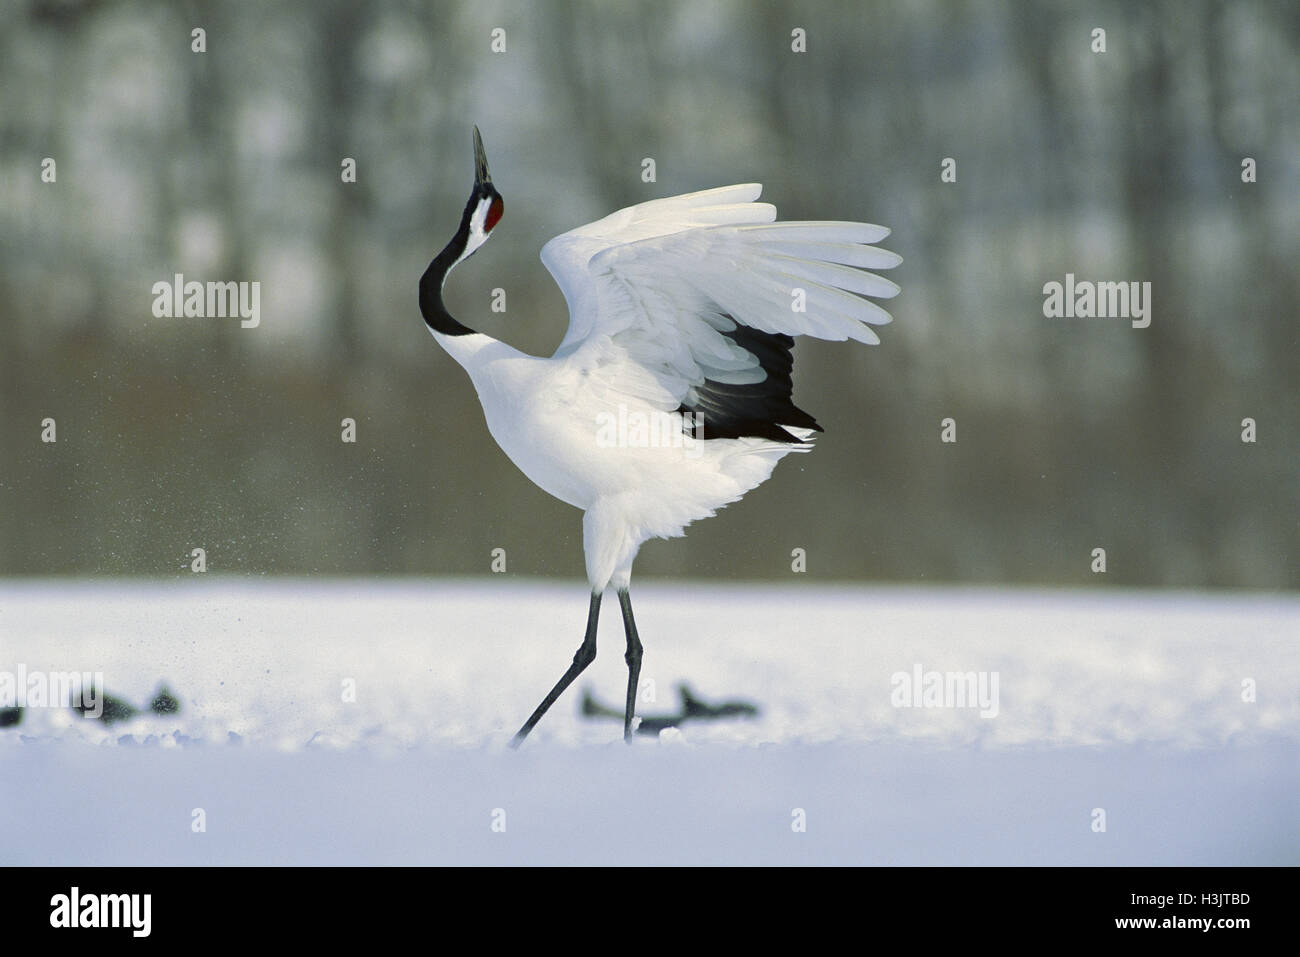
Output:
[[583, 444]]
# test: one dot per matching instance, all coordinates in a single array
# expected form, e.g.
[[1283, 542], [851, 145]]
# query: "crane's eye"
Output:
[[494, 213]]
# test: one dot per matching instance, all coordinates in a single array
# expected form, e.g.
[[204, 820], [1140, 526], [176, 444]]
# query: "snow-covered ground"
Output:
[[1137, 704]]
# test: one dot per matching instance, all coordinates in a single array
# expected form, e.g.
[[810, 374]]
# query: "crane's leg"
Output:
[[585, 655], [633, 659]]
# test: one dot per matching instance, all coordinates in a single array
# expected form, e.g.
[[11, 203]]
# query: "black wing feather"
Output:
[[756, 409]]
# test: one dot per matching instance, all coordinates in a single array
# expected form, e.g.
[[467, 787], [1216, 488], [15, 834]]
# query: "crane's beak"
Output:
[[481, 173]]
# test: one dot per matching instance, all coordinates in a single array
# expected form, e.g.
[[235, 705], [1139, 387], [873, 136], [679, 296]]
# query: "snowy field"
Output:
[[1128, 702]]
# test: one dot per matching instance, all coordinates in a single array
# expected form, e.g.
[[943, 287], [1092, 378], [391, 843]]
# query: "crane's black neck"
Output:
[[432, 308]]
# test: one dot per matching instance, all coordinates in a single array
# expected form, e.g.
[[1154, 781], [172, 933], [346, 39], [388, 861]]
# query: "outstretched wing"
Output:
[[691, 304]]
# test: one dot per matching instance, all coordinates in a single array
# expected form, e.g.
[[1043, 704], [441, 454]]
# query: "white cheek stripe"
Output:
[[477, 237]]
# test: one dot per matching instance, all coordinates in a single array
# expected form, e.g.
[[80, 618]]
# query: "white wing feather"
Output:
[[651, 288]]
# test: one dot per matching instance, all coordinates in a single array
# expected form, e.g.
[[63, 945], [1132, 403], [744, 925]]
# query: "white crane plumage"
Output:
[[670, 395]]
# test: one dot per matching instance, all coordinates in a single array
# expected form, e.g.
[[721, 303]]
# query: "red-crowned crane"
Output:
[[670, 396]]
